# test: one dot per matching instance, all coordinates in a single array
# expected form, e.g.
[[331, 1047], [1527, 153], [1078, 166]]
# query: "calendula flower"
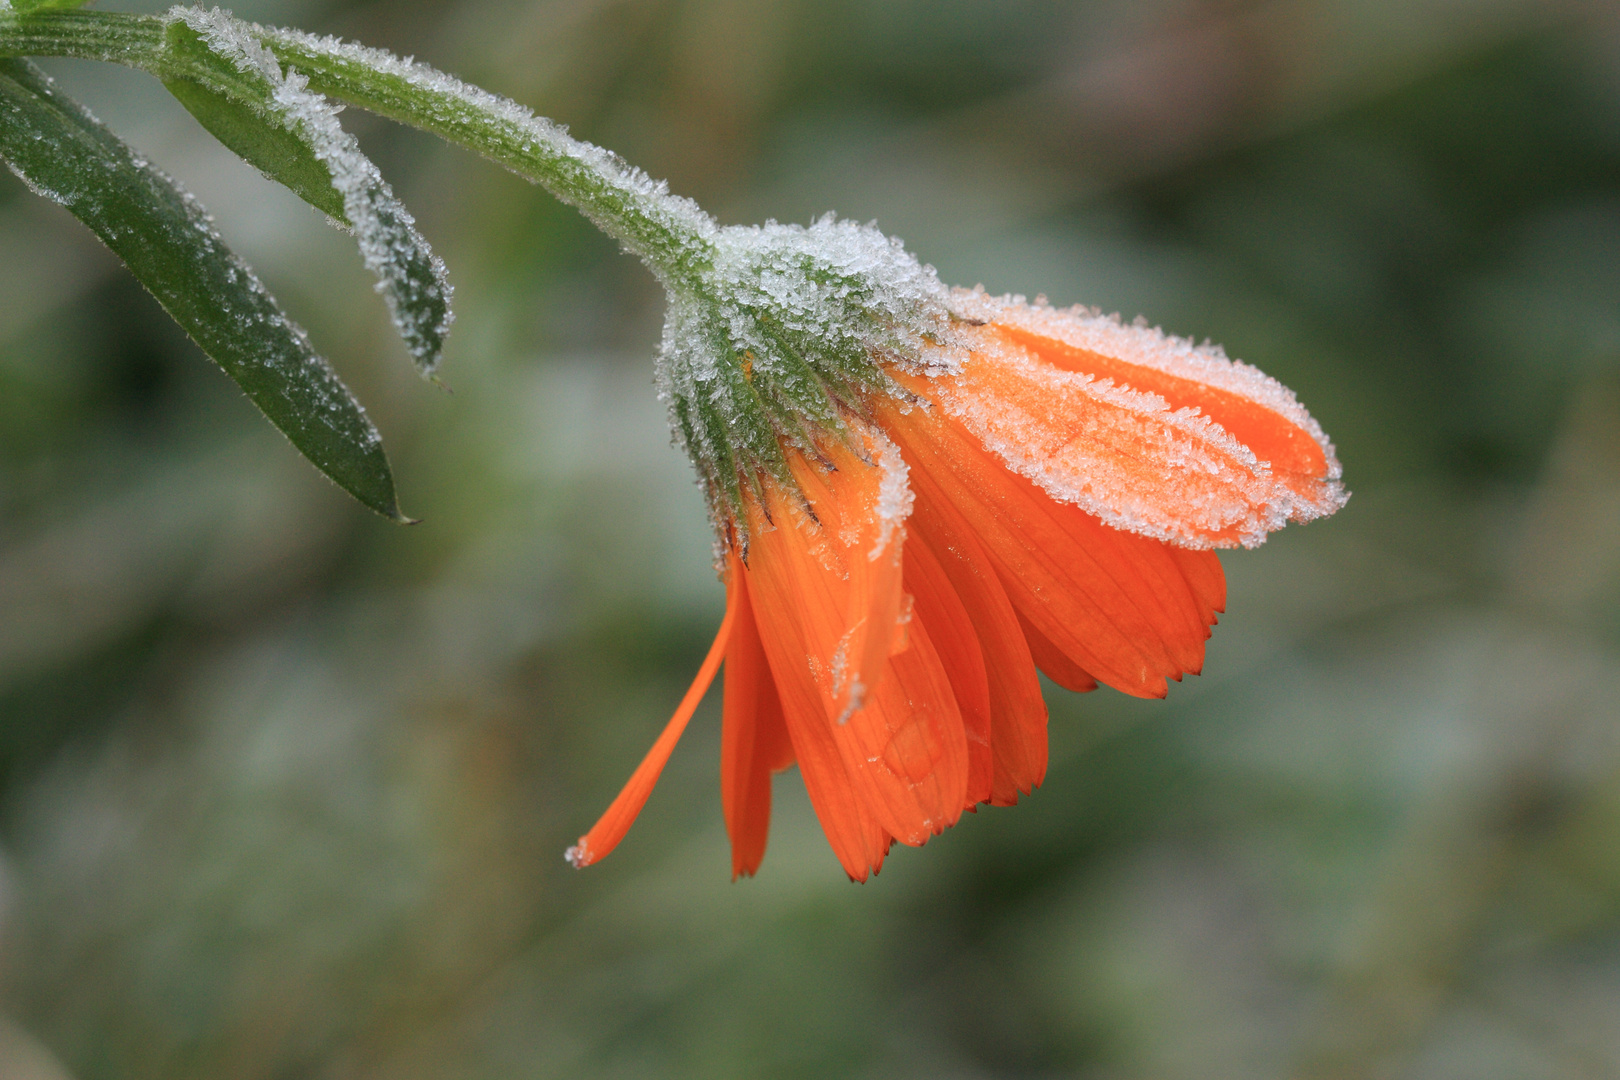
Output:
[[921, 496]]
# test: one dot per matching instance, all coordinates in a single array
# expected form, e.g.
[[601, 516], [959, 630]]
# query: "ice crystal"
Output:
[[1124, 454], [784, 332], [571, 164], [578, 856], [783, 339], [894, 492], [411, 278]]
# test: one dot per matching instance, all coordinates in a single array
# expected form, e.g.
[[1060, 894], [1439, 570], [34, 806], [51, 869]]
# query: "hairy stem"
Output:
[[670, 234]]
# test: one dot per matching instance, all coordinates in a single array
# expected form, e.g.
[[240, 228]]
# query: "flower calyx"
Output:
[[781, 338]]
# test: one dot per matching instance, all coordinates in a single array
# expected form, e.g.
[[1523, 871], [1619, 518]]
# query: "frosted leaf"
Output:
[[168, 241], [579, 173], [411, 278]]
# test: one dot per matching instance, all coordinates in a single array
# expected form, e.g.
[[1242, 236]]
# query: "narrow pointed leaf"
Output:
[[167, 240], [251, 131], [23, 6], [238, 90]]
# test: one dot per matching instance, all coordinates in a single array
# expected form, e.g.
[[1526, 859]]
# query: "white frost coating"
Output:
[[1136, 343], [1122, 454], [840, 668], [247, 310], [831, 281], [383, 229], [513, 123], [894, 493], [812, 314]]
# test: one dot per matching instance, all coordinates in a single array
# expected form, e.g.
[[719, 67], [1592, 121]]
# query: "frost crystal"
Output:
[[1123, 454], [411, 278], [784, 340], [570, 167], [783, 333], [894, 492]]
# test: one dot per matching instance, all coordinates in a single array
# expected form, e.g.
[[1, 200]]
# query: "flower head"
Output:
[[922, 496]]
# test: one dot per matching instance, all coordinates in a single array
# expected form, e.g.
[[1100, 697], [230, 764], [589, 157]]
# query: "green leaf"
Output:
[[22, 7], [167, 240], [245, 122], [219, 70]]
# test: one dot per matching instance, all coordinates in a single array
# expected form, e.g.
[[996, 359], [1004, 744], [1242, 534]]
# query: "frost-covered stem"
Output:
[[670, 234], [116, 37]]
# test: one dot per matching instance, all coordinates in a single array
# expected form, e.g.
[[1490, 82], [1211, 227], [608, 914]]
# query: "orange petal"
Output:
[[907, 750], [1051, 395], [1274, 438], [807, 594], [1202, 570], [951, 632], [1057, 666], [881, 747], [1017, 710], [1151, 575], [851, 543], [611, 827], [1089, 589], [753, 736], [854, 834]]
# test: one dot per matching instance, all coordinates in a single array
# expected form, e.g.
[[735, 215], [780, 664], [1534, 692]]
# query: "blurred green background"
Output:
[[284, 789]]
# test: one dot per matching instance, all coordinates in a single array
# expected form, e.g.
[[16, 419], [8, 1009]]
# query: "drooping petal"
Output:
[[753, 736], [851, 546], [621, 814], [1202, 570], [1054, 662], [907, 749], [951, 632], [1132, 427], [855, 836], [1017, 710], [1081, 584], [876, 731]]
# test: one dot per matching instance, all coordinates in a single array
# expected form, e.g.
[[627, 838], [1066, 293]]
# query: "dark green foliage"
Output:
[[245, 125], [165, 238]]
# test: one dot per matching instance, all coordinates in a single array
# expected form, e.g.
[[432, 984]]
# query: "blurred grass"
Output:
[[284, 789]]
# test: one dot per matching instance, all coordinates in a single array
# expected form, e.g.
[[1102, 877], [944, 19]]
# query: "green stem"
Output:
[[116, 37], [670, 234]]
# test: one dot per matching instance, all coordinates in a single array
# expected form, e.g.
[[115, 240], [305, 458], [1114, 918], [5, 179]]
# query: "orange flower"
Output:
[[1048, 499]]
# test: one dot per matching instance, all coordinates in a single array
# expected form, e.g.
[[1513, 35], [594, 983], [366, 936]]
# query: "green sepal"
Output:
[[239, 119], [167, 240]]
